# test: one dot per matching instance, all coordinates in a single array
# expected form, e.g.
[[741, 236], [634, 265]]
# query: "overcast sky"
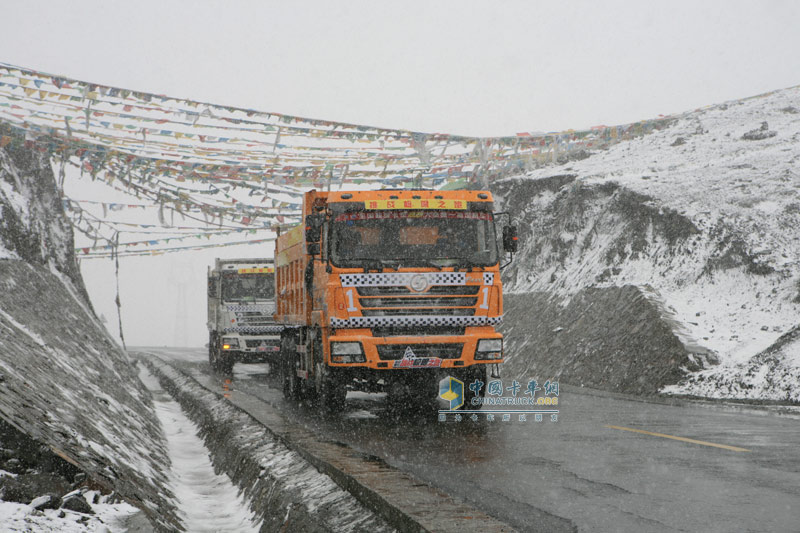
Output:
[[462, 67]]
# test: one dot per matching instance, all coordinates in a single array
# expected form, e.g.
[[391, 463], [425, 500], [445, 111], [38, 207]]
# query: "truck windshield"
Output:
[[247, 286], [434, 238]]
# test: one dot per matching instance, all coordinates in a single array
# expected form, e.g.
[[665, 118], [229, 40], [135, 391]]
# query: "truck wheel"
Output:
[[212, 343], [213, 353], [225, 363], [398, 398], [288, 357], [220, 363], [330, 388]]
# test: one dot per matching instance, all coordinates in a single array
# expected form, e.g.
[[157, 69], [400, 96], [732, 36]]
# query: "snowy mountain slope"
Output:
[[702, 216], [32, 224], [63, 380]]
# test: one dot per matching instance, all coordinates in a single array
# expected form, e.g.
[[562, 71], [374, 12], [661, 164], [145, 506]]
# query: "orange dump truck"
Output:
[[389, 290]]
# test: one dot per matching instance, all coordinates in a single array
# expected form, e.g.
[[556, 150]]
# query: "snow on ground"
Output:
[[208, 502], [108, 517], [732, 189]]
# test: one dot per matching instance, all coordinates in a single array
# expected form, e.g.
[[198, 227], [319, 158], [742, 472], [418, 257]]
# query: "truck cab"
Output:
[[241, 304]]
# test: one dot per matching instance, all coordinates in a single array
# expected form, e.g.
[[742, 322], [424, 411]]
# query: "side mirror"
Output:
[[212, 286], [313, 248], [510, 241], [314, 227]]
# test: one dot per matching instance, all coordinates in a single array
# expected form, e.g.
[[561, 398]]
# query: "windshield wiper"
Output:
[[468, 264], [407, 262], [370, 264]]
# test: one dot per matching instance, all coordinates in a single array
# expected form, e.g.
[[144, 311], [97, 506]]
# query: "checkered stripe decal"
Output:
[[488, 278], [410, 320], [254, 329], [395, 279], [264, 308]]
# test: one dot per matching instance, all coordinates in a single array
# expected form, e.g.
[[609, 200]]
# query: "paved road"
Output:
[[610, 463]]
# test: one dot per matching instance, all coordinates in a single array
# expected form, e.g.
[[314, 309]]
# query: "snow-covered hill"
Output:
[[703, 218], [63, 380]]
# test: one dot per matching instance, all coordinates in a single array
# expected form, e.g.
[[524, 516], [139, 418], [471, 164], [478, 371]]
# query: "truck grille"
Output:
[[253, 318], [449, 290], [441, 300], [419, 302], [400, 331], [397, 351], [416, 311], [255, 343]]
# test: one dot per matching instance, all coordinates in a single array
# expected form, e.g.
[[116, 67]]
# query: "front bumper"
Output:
[[252, 346], [419, 351]]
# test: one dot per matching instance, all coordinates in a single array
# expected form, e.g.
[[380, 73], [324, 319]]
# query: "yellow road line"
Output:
[[682, 439]]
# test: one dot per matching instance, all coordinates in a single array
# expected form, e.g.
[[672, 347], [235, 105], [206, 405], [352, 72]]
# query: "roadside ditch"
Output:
[[297, 482]]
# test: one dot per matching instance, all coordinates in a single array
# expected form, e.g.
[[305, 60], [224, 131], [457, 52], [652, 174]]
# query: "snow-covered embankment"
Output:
[[63, 380], [669, 262]]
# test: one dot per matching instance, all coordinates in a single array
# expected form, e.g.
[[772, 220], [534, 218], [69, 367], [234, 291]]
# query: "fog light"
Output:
[[344, 359], [230, 343]]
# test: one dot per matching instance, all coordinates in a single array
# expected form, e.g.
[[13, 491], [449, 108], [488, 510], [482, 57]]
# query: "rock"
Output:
[[77, 503], [48, 501], [762, 133], [679, 141], [14, 466], [25, 487]]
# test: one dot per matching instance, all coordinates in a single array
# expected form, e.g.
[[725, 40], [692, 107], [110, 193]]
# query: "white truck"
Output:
[[241, 302]]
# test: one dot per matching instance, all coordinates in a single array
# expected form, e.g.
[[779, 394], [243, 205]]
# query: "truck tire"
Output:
[[225, 363], [220, 363], [413, 394], [288, 360], [331, 390], [212, 346]]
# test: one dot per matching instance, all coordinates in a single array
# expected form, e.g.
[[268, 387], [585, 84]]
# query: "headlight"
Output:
[[489, 349], [346, 348], [229, 343], [490, 345], [347, 352]]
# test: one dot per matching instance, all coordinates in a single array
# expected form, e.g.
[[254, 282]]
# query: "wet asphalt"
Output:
[[609, 463]]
